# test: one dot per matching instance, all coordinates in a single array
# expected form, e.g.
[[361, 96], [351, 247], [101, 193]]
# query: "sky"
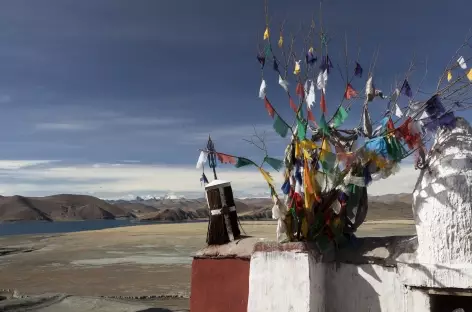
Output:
[[113, 98]]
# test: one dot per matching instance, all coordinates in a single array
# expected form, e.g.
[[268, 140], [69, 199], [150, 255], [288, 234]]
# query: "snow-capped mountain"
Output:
[[140, 198]]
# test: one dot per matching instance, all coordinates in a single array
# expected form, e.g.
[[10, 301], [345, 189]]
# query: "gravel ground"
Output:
[[149, 261]]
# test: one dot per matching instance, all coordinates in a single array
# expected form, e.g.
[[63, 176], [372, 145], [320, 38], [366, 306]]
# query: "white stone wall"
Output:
[[442, 200], [293, 281], [280, 281], [363, 288]]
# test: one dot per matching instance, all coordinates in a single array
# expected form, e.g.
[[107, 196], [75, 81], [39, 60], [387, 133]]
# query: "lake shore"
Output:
[[143, 260]]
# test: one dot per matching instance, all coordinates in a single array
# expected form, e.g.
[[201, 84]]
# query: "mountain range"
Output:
[[65, 207]]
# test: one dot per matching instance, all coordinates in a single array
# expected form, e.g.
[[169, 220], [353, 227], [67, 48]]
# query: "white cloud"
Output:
[[21, 164], [65, 126], [115, 180]]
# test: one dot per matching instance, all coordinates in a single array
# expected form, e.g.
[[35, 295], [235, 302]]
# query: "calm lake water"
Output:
[[40, 227]]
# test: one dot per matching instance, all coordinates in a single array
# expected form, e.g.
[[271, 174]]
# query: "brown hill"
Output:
[[82, 207], [57, 208]]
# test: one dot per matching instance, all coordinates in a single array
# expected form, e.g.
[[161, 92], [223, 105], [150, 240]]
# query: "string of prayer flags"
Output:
[[262, 89], [296, 71], [358, 70], [350, 92], [277, 164], [266, 33], [406, 89], [469, 75], [261, 58], [310, 57], [462, 62], [280, 126], [283, 83], [226, 159], [243, 162], [340, 116], [449, 75], [269, 107], [202, 159], [281, 41], [323, 103]]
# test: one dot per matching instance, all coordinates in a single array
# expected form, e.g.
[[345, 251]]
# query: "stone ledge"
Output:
[[379, 250], [240, 248]]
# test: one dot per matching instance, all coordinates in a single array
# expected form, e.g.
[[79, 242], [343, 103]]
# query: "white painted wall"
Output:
[[363, 288], [292, 281], [442, 200], [285, 281]]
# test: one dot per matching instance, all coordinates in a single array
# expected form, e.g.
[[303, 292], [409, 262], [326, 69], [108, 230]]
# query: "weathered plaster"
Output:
[[285, 281], [442, 200]]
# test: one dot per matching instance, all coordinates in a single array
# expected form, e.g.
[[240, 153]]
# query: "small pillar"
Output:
[[220, 277]]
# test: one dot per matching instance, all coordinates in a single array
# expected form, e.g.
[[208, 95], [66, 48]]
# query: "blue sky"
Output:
[[114, 97]]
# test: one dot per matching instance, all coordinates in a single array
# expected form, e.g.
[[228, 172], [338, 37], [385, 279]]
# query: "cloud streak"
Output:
[[37, 178]]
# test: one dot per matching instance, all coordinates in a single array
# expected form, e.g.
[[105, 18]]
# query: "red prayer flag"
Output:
[[390, 125], [350, 92], [269, 107], [292, 105], [226, 159], [323, 102], [300, 92], [310, 115]]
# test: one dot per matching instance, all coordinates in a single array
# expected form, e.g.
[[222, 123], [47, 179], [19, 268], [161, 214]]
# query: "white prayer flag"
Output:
[[262, 90]]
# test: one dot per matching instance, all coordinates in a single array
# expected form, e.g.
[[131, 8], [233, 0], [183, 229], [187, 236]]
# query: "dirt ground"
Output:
[[147, 260]]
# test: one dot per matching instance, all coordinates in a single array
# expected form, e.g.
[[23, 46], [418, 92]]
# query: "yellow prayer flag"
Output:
[[281, 41], [306, 154], [449, 75], [266, 33], [325, 145], [469, 74], [297, 68], [298, 152], [267, 177], [308, 145]]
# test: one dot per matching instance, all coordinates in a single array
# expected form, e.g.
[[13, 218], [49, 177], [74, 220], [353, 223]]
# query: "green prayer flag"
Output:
[[274, 163], [243, 162], [323, 125], [328, 161], [280, 126], [267, 50], [339, 117], [301, 130]]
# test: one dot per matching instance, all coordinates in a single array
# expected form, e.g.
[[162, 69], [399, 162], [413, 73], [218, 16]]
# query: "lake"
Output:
[[41, 227]]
